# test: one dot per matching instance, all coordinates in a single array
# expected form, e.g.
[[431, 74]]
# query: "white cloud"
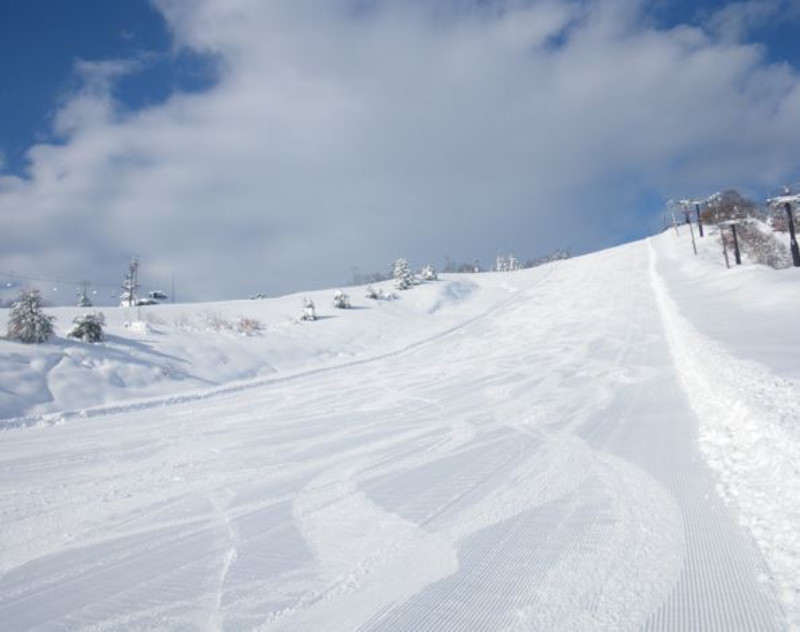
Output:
[[343, 134], [736, 20]]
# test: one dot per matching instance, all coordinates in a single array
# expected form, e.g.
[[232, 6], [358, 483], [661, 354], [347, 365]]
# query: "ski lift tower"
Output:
[[693, 204], [130, 283], [787, 202], [732, 224]]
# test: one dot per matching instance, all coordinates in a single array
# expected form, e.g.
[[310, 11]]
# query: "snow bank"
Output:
[[749, 435]]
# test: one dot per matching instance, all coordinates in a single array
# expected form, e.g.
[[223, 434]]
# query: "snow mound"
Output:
[[452, 294]]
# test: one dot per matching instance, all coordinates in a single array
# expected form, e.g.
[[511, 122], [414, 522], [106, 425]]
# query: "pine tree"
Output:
[[403, 279], [341, 300], [429, 274], [27, 322], [88, 327], [309, 312]]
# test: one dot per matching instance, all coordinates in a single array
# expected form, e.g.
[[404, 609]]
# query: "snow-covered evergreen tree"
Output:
[[372, 293], [341, 300], [429, 274], [88, 327], [27, 322], [309, 312], [403, 279]]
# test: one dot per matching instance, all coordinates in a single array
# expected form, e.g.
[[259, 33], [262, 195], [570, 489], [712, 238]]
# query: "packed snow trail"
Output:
[[536, 468]]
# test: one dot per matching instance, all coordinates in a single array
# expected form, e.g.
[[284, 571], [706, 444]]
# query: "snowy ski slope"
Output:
[[564, 448]]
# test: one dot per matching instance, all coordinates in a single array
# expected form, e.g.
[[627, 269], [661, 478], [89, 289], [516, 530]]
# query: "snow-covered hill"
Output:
[[608, 442], [186, 348]]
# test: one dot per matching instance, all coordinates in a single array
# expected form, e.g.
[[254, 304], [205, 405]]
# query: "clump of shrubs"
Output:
[[380, 295], [761, 246], [241, 325], [247, 326], [88, 327]]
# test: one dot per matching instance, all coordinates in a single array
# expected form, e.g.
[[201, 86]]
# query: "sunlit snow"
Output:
[[603, 443]]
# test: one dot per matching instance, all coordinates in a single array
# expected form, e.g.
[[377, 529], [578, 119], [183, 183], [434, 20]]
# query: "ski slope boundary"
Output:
[[748, 434]]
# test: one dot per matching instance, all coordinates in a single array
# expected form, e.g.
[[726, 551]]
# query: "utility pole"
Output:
[[83, 295], [736, 246], [684, 204], [691, 232], [786, 201], [699, 221], [725, 250], [130, 283], [792, 235]]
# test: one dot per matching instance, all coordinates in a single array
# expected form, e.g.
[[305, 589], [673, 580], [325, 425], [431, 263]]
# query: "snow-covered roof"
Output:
[[794, 198]]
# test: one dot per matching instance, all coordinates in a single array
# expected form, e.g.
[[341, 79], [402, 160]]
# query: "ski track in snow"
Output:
[[532, 468]]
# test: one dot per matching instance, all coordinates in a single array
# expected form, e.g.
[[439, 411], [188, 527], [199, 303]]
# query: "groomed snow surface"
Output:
[[605, 443]]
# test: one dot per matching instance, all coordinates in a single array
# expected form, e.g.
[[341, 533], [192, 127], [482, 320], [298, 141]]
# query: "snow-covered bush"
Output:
[[216, 321], [403, 279], [380, 295], [138, 327], [219, 323], [759, 243], [309, 312], [27, 322], [247, 326], [341, 300], [88, 327], [429, 274]]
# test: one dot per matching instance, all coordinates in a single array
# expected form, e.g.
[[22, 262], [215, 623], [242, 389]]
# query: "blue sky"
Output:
[[299, 140], [40, 41]]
